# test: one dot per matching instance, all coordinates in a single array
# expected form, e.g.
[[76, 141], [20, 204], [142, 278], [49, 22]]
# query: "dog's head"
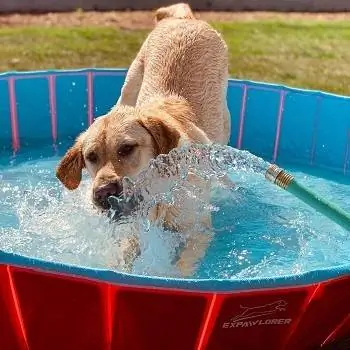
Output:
[[121, 144]]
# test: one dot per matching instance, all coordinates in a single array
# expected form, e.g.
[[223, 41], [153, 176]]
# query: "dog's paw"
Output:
[[131, 251], [115, 263], [186, 269], [127, 251]]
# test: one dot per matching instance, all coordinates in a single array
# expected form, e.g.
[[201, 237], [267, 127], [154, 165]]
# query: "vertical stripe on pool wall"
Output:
[[53, 111], [5, 118], [347, 153], [315, 129], [13, 110], [242, 116], [279, 125], [90, 91]]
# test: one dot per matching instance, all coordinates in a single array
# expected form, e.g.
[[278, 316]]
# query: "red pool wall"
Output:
[[41, 311]]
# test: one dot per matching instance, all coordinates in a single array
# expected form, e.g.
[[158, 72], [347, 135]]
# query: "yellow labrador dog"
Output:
[[174, 93]]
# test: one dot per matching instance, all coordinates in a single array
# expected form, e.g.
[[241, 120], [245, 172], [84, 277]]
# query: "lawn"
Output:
[[298, 52]]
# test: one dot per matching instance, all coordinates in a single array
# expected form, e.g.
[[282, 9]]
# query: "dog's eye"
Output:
[[125, 150], [92, 157]]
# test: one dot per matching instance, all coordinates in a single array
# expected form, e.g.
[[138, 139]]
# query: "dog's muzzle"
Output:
[[102, 193]]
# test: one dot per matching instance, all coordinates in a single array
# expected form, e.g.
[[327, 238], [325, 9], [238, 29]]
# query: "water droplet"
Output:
[[146, 225]]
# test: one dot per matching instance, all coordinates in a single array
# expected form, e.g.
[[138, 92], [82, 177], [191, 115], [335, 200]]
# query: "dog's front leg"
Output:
[[195, 249], [128, 250], [198, 230], [195, 224]]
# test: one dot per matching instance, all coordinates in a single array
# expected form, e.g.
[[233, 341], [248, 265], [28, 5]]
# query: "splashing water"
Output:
[[259, 229], [168, 173]]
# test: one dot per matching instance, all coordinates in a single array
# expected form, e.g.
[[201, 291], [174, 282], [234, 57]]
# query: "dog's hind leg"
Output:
[[133, 82], [227, 123]]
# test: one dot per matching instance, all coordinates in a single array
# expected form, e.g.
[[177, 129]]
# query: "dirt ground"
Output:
[[144, 19]]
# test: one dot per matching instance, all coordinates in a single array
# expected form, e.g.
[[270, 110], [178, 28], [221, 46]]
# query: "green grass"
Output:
[[311, 54]]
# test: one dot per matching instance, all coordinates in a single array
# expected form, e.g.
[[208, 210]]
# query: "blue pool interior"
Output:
[[306, 131]]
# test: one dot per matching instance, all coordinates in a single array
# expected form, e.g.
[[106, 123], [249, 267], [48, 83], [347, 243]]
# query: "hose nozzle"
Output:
[[278, 176]]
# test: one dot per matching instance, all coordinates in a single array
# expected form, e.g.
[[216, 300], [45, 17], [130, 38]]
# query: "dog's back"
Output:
[[187, 57]]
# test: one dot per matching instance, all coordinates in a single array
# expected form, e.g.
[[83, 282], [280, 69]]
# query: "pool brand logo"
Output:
[[251, 316]]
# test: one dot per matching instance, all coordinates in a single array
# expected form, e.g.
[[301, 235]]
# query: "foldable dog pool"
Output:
[[47, 306]]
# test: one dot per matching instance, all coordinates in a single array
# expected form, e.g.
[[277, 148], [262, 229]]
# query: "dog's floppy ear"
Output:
[[165, 136], [70, 167], [160, 14]]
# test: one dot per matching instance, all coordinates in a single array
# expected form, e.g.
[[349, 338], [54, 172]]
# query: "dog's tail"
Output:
[[180, 10]]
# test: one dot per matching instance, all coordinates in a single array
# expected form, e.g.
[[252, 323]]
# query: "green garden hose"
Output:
[[286, 181]]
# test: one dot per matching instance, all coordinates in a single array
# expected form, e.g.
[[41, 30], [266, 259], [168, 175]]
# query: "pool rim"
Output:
[[122, 71]]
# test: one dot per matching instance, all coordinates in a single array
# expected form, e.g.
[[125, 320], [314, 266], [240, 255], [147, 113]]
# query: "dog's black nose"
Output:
[[101, 194]]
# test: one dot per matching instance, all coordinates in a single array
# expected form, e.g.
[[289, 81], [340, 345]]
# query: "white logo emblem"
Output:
[[255, 313]]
